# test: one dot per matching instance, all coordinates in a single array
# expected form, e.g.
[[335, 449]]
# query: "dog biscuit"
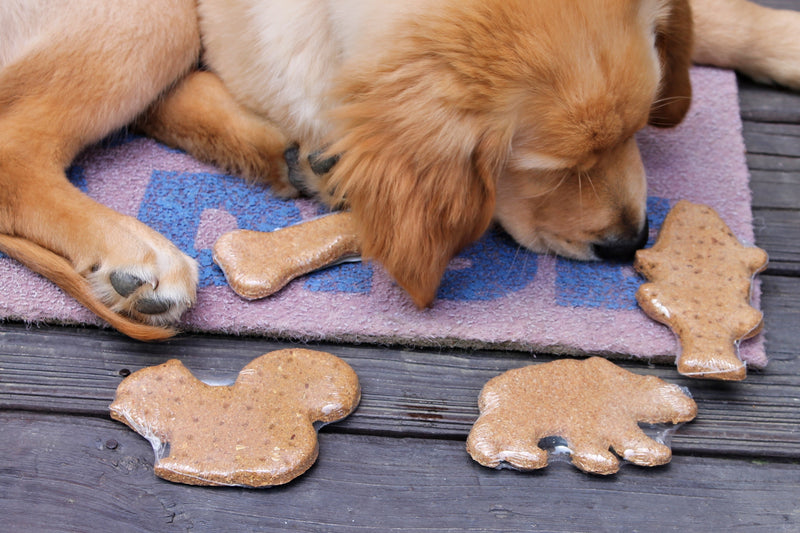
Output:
[[592, 404], [258, 264], [257, 432], [700, 286]]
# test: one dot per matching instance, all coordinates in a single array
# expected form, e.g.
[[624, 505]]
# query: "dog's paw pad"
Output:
[[154, 306], [151, 281], [321, 165], [146, 294], [125, 283]]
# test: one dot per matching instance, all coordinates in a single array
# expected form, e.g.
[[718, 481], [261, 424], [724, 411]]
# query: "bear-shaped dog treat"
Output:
[[593, 404], [257, 432], [700, 281]]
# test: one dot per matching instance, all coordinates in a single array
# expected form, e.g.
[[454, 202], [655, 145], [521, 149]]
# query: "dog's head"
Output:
[[520, 110]]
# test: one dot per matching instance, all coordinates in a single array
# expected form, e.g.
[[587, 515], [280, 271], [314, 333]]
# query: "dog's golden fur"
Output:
[[446, 114], [520, 125]]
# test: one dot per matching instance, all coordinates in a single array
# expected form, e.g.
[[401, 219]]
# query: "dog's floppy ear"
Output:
[[674, 39], [420, 181]]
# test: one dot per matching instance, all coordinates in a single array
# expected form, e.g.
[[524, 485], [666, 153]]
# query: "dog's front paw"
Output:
[[756, 40], [144, 276], [777, 55]]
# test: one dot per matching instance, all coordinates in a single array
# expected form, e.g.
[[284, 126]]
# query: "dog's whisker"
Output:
[[664, 102], [548, 191], [591, 183], [673, 98], [516, 254], [661, 124]]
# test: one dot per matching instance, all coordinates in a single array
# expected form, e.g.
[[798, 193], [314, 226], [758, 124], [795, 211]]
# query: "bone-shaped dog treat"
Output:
[[593, 404], [257, 264], [257, 432], [700, 283]]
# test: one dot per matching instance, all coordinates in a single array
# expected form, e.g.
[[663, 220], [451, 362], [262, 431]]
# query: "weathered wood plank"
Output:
[[778, 232], [773, 155], [780, 4], [770, 163], [409, 392], [61, 473], [776, 189], [773, 139], [768, 104]]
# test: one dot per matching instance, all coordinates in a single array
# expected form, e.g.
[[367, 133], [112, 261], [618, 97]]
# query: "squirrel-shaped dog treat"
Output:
[[258, 264], [257, 432], [593, 404], [700, 283]]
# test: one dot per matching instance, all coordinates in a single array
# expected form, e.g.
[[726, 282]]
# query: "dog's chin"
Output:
[[551, 245]]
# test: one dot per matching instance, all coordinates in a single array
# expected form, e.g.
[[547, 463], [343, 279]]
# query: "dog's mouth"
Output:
[[612, 249], [622, 249]]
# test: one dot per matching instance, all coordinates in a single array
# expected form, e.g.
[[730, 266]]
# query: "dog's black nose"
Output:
[[622, 249]]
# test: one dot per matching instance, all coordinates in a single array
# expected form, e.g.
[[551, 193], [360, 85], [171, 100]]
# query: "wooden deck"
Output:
[[399, 462]]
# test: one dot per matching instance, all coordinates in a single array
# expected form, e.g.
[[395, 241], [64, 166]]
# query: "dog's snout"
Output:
[[622, 249]]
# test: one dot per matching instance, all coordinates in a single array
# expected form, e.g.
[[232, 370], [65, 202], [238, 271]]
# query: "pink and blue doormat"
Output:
[[494, 295]]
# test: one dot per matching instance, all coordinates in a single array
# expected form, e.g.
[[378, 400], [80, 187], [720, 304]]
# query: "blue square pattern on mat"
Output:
[[76, 175], [488, 269], [174, 203]]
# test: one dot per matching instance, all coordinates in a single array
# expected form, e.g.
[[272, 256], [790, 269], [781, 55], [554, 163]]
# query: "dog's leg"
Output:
[[63, 93], [761, 42], [200, 116]]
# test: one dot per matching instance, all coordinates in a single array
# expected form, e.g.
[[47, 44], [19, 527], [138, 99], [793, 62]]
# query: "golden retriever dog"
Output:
[[427, 119]]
